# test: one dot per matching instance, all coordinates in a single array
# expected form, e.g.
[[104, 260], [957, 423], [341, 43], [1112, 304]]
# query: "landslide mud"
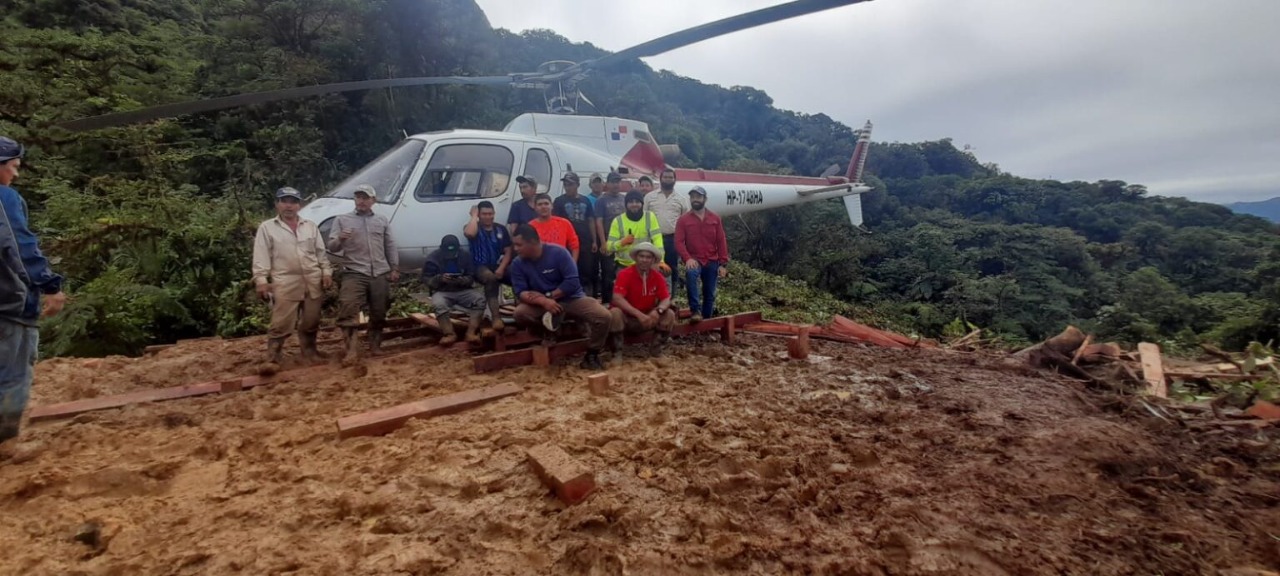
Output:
[[714, 460]]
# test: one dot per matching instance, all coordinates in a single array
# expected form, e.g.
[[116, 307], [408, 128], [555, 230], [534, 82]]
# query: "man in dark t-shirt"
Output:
[[576, 208]]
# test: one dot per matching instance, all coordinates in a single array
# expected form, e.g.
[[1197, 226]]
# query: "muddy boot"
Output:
[[473, 327], [592, 361], [449, 334], [375, 341], [352, 341], [659, 344], [309, 352], [615, 345], [271, 365]]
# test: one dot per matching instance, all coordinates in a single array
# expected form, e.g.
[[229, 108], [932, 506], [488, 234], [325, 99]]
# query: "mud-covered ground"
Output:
[[714, 460]]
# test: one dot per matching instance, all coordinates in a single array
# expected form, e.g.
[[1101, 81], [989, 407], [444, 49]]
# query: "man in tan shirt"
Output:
[[291, 270], [668, 205]]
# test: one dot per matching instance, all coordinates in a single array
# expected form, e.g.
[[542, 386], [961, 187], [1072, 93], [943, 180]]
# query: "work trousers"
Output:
[[471, 301], [18, 350], [305, 314], [672, 258], [586, 311], [705, 277], [620, 321], [360, 289], [492, 289], [608, 273], [587, 268]]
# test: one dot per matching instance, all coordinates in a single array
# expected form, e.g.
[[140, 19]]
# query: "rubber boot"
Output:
[[615, 345], [473, 326], [275, 348], [496, 312], [309, 352], [375, 341], [659, 344], [353, 346], [592, 361], [449, 334]]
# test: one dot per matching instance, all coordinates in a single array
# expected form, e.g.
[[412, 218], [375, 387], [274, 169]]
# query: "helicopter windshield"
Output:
[[387, 173]]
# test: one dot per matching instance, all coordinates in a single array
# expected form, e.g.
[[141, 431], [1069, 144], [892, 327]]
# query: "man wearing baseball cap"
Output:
[[641, 301], [450, 273], [701, 242], [524, 210], [291, 270], [611, 204], [24, 276], [370, 265], [578, 210]]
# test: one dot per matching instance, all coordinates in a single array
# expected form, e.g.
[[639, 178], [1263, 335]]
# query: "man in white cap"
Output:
[[370, 265], [641, 301], [291, 270]]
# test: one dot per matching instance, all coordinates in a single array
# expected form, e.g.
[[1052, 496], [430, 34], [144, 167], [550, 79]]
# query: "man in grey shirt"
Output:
[[370, 264]]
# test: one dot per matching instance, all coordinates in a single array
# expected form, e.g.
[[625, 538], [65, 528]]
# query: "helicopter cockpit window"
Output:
[[466, 171], [538, 164], [387, 173]]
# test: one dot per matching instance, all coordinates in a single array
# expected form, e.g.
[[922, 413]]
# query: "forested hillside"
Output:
[[152, 223]]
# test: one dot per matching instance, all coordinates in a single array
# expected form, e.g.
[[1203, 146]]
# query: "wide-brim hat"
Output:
[[645, 247]]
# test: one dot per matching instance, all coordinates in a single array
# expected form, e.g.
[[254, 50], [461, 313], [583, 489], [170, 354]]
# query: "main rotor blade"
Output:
[[194, 106], [719, 28]]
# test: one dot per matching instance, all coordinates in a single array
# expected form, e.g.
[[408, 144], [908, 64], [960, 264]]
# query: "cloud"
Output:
[[1179, 96]]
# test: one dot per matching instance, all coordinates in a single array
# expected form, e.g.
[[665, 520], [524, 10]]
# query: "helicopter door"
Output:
[[458, 175], [537, 163]]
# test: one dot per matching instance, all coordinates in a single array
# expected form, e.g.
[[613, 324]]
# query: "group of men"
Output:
[[598, 259]]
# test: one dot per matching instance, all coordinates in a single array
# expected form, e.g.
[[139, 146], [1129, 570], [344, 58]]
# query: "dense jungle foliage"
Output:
[[152, 223]]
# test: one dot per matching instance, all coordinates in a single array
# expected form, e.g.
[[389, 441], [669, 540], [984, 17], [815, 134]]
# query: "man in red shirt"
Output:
[[641, 301], [554, 229], [701, 243]]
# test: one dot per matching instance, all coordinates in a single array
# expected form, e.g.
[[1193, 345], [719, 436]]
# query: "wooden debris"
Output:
[[541, 356], [598, 383], [1153, 369], [1067, 342], [571, 480], [235, 385], [1084, 346], [1264, 410], [149, 350], [389, 419]]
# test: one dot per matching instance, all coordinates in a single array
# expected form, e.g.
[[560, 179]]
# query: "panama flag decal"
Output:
[[620, 133]]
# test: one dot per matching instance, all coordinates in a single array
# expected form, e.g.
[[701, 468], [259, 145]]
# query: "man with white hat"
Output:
[[370, 265], [641, 301], [291, 269]]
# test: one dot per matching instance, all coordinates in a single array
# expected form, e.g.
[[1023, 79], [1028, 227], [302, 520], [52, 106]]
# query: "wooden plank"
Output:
[[1075, 358], [1153, 369], [729, 333], [598, 384], [1236, 376], [68, 409], [389, 419], [570, 479], [524, 356]]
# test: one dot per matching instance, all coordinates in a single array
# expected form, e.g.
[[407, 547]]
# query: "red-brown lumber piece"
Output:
[[235, 385], [598, 383], [541, 356], [843, 325], [1264, 410], [571, 480], [524, 356], [728, 334], [389, 419], [798, 346]]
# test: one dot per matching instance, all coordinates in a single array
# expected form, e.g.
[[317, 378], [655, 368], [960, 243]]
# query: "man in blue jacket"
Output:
[[545, 278], [24, 276]]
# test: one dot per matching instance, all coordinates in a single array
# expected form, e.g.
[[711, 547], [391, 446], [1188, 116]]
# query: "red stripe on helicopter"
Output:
[[646, 158]]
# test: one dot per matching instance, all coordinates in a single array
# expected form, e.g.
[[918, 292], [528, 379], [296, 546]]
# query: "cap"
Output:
[[450, 243], [646, 178], [596, 177], [699, 191], [614, 177], [570, 177], [288, 192], [530, 180], [10, 149], [645, 247], [634, 196], [367, 190]]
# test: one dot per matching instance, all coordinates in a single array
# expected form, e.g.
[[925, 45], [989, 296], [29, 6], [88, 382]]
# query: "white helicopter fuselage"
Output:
[[428, 183]]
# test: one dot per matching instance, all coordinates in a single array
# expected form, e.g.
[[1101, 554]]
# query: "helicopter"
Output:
[[427, 184]]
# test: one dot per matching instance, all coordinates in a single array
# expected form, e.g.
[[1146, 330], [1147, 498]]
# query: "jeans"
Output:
[[706, 275], [608, 273], [18, 347]]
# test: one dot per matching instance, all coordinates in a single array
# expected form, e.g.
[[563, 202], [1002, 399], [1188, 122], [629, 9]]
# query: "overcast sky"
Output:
[[1180, 95]]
